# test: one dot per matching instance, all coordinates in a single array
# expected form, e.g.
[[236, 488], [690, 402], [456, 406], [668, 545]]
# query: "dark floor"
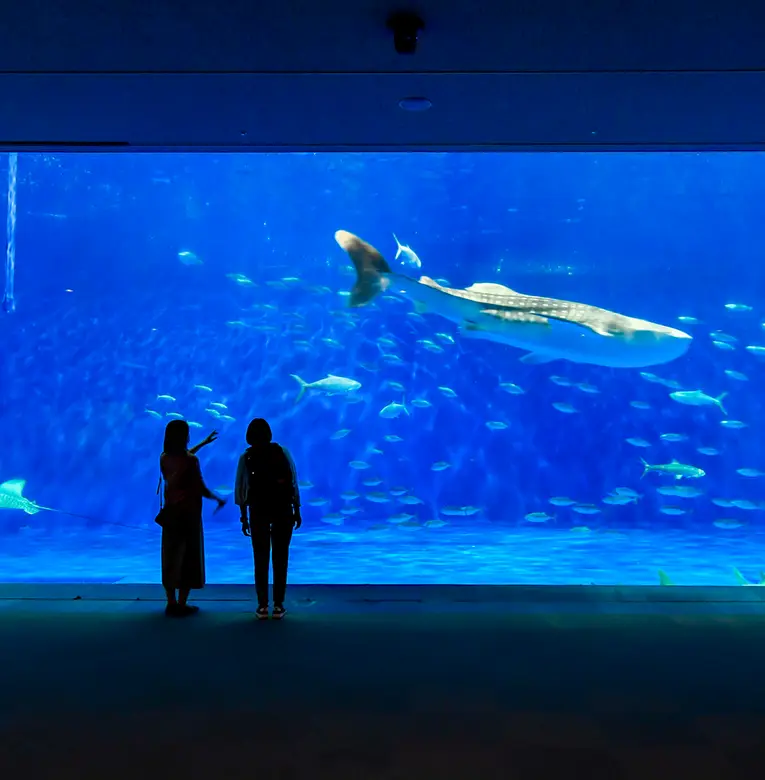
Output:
[[369, 683]]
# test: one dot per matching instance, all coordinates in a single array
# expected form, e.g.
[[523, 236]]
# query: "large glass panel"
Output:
[[211, 287]]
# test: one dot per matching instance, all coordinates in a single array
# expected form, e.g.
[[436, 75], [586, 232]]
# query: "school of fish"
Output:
[[381, 369]]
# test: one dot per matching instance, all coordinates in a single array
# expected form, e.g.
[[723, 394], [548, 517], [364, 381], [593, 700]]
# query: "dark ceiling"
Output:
[[324, 75]]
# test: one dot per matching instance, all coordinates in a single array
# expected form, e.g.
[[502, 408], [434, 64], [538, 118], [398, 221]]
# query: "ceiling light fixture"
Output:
[[414, 104]]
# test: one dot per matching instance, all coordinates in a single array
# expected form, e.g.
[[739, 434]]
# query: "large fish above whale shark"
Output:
[[547, 328]]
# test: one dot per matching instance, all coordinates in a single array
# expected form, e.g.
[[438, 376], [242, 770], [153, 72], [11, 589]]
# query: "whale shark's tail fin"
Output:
[[370, 267]]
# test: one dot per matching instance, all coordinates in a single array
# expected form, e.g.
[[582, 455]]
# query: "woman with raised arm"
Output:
[[183, 550]]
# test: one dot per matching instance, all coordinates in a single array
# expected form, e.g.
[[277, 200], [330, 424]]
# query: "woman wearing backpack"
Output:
[[268, 497]]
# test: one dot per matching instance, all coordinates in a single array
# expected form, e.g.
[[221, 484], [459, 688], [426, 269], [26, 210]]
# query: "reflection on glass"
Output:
[[490, 368], [9, 301]]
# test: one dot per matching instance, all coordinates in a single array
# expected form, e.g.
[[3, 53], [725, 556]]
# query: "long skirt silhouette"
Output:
[[183, 549]]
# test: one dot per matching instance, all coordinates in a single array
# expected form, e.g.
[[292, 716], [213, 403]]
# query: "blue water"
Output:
[[110, 314]]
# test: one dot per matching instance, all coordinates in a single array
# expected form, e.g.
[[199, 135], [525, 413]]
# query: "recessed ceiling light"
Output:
[[414, 104]]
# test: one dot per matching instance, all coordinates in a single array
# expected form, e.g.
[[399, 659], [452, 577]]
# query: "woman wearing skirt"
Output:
[[183, 551]]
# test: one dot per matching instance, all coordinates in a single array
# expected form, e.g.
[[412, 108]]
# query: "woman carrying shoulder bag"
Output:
[[183, 551]]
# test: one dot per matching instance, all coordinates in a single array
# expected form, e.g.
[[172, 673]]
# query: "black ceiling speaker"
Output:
[[406, 28]]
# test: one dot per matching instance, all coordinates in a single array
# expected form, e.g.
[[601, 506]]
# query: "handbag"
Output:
[[167, 515]]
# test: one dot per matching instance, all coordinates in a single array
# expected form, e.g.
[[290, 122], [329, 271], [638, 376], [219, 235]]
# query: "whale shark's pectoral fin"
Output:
[[535, 359], [473, 329], [603, 325], [516, 316], [601, 330]]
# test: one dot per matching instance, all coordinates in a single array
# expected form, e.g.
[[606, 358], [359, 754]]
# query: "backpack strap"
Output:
[[288, 476], [159, 489]]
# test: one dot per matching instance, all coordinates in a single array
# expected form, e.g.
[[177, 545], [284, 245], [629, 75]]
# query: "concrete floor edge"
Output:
[[423, 594]]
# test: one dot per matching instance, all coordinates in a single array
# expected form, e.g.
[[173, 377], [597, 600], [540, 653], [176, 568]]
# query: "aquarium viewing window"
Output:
[[548, 374]]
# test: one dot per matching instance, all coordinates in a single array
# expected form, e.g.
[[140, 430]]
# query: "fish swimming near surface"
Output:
[[547, 328]]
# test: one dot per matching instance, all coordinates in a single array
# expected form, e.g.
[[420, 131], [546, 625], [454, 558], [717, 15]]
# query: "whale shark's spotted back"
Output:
[[508, 304], [629, 342]]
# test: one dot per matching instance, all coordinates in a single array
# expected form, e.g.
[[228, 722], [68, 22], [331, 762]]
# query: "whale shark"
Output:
[[546, 328]]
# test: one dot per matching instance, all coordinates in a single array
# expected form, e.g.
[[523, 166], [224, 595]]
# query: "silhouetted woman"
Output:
[[267, 486], [183, 551]]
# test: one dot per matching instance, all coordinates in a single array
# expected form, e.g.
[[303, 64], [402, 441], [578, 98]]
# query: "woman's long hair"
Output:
[[176, 437]]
